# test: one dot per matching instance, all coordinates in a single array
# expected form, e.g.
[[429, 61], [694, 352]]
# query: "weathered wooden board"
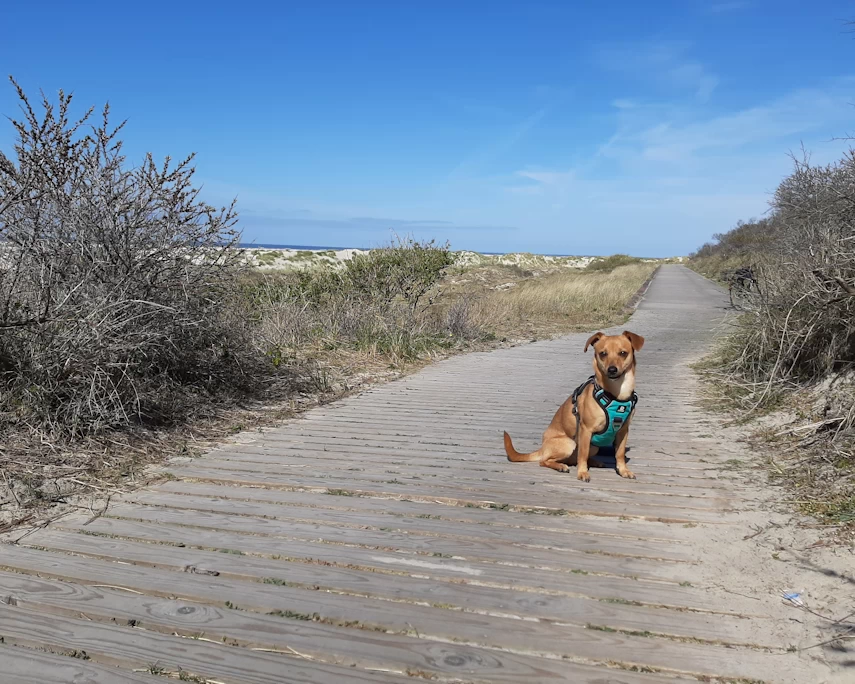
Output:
[[32, 666], [285, 534], [386, 537], [358, 648], [570, 538]]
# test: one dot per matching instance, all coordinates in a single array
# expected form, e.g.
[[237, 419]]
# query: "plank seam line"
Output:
[[404, 531]]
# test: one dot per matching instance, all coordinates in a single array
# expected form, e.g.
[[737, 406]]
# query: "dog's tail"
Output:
[[516, 456]]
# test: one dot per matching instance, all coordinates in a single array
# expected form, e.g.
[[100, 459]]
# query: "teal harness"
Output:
[[617, 412]]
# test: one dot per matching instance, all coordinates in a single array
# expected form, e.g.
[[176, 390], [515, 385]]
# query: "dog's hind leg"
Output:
[[556, 452]]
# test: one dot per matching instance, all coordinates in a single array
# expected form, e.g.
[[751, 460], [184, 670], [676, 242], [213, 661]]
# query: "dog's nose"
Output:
[[612, 370]]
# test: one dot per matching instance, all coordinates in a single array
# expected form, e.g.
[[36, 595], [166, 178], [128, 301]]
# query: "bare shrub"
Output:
[[800, 335], [459, 319], [118, 284], [805, 262]]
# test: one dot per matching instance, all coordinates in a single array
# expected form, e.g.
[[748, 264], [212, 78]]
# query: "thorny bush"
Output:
[[804, 253], [115, 282], [800, 333]]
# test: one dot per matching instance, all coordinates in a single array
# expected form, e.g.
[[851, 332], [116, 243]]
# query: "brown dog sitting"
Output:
[[598, 414]]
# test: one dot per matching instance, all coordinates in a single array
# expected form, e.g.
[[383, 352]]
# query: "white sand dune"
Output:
[[268, 258]]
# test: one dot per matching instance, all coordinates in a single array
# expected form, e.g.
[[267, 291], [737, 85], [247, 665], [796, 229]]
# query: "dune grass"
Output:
[[561, 302]]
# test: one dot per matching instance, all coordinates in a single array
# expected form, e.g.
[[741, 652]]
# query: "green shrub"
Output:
[[610, 263], [378, 302], [406, 271]]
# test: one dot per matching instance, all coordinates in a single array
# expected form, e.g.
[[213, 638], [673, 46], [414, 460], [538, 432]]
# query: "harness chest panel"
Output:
[[616, 412]]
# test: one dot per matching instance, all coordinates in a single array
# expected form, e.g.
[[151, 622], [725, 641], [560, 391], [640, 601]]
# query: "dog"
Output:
[[598, 412]]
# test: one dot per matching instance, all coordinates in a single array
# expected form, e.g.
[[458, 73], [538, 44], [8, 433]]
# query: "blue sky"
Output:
[[545, 126]]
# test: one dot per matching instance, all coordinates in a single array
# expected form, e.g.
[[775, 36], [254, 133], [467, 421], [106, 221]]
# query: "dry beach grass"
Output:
[[561, 302]]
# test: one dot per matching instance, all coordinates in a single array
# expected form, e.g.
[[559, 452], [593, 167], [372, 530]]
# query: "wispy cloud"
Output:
[[799, 113], [678, 174], [402, 223], [524, 189], [476, 162], [664, 62], [553, 178], [625, 103]]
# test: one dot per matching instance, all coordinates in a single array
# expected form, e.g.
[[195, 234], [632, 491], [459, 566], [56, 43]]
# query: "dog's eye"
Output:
[[604, 354], [623, 353]]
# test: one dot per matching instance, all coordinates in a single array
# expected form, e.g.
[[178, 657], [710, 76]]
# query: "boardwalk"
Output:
[[385, 538]]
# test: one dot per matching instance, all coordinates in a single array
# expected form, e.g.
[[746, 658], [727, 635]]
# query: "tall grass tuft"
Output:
[[574, 298]]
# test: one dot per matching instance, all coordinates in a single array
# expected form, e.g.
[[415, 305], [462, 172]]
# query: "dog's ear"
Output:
[[593, 339], [637, 341]]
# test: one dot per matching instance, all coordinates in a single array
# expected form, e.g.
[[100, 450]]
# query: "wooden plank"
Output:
[[647, 456], [611, 488], [282, 534], [245, 456], [374, 650], [650, 533], [450, 615], [29, 666], [520, 577], [568, 538], [573, 500], [138, 649], [458, 411], [607, 479], [380, 424], [394, 431], [651, 478], [433, 444], [649, 453], [430, 623]]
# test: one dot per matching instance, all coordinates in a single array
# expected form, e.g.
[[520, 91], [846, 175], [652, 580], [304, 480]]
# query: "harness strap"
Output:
[[603, 398], [576, 394]]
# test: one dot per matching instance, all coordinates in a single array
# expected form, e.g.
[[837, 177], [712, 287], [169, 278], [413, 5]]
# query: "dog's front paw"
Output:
[[627, 473], [584, 476]]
